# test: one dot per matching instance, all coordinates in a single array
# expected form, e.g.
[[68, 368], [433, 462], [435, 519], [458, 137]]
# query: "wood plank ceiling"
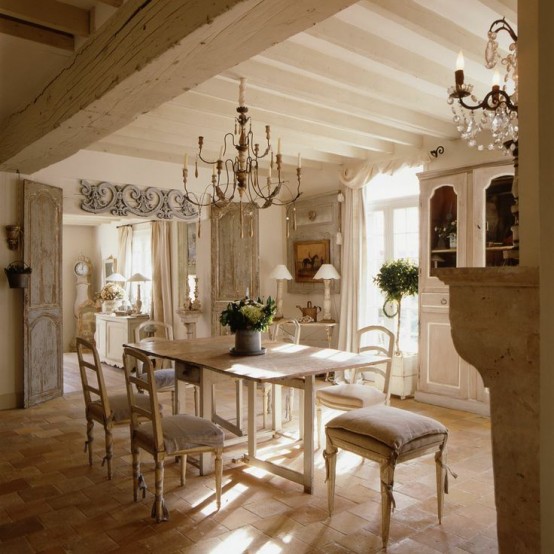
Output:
[[368, 83]]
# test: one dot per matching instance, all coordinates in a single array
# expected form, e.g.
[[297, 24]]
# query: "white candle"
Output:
[[269, 171], [221, 154], [278, 146], [242, 88], [186, 162], [213, 169], [496, 78], [299, 160], [460, 61]]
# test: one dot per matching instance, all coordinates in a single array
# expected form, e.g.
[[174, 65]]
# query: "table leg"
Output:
[[252, 443], [206, 461], [309, 403], [277, 407]]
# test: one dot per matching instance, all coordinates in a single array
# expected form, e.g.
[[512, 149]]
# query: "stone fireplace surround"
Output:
[[494, 316]]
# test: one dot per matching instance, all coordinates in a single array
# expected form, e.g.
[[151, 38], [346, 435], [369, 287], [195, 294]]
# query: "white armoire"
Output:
[[466, 220]]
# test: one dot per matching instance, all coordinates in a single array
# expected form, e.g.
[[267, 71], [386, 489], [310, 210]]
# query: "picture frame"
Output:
[[109, 266], [309, 255]]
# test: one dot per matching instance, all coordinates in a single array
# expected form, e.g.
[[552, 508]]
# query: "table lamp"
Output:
[[327, 272], [115, 278], [138, 278], [282, 274]]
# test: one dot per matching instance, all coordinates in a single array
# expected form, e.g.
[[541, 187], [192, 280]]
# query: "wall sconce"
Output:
[[13, 233]]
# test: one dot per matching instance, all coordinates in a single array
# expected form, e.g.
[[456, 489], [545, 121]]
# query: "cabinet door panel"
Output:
[[442, 370], [116, 337]]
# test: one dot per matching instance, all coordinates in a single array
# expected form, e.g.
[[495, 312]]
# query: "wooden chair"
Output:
[[287, 330], [106, 409], [150, 331], [373, 339], [388, 436], [175, 435]]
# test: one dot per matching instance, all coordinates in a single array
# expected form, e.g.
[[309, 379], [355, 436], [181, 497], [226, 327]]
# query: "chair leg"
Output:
[[109, 448], [138, 480], [90, 440], [330, 456], [159, 510], [183, 469], [218, 476], [441, 469], [289, 403], [318, 422], [196, 402], [387, 499]]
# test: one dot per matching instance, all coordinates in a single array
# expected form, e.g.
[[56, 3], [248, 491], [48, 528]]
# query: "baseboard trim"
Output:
[[473, 406]]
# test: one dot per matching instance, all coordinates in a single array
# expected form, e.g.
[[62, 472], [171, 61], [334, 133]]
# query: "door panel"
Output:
[[235, 258], [42, 320]]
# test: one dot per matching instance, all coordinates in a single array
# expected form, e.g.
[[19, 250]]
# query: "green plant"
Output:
[[248, 314], [396, 280], [18, 267]]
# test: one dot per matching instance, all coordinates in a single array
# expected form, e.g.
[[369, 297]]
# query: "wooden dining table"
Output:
[[206, 361]]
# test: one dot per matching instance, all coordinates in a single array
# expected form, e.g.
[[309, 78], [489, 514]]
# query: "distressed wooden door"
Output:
[[235, 258], [42, 317]]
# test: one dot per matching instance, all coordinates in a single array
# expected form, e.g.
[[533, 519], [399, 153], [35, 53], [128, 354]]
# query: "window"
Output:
[[142, 263], [392, 231]]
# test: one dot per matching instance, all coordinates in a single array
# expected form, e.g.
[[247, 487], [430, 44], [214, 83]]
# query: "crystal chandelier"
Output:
[[497, 112], [238, 178]]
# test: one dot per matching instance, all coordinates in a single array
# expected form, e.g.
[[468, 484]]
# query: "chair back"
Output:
[[153, 329], [150, 331], [92, 377], [287, 330], [378, 340], [136, 386]]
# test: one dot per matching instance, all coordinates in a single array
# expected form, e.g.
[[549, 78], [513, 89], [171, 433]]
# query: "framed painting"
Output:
[[309, 255]]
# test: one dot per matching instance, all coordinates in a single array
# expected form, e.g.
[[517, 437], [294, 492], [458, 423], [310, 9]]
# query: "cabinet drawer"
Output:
[[434, 300], [188, 372]]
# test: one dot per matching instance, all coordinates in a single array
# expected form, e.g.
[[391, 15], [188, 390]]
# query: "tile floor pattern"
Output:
[[52, 502]]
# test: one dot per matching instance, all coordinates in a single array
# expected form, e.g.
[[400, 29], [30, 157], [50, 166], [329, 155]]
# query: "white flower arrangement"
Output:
[[112, 291]]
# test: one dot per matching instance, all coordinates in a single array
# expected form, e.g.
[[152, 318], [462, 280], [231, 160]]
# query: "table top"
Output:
[[282, 360]]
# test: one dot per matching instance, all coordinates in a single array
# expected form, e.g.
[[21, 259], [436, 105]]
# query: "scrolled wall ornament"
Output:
[[125, 200]]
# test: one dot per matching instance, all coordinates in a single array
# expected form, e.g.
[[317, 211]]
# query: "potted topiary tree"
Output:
[[398, 279]]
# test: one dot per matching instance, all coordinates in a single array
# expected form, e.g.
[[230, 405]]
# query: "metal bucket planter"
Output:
[[18, 274]]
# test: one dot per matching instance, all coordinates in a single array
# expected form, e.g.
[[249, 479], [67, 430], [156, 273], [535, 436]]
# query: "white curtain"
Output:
[[162, 296], [354, 260], [125, 254]]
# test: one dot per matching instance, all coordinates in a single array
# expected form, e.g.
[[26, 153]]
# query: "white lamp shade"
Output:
[[280, 272], [138, 278], [327, 271], [116, 277]]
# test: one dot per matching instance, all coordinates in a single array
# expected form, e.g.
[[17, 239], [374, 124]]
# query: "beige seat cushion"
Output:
[[182, 432], [119, 405], [384, 429], [351, 396]]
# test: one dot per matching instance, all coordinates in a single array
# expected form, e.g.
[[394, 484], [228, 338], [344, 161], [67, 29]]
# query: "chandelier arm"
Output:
[[491, 102], [503, 25]]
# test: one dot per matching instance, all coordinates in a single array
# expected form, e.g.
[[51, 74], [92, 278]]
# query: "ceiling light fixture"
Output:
[[499, 106], [498, 111], [238, 177]]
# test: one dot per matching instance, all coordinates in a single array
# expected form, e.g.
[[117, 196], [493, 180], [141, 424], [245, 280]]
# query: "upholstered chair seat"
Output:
[[387, 436]]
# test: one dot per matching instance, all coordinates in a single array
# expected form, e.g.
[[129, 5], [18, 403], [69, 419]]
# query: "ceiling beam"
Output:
[[146, 54], [20, 29], [49, 13]]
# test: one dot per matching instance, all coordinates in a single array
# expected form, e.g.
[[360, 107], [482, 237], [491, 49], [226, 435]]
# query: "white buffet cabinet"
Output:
[[478, 199], [112, 332]]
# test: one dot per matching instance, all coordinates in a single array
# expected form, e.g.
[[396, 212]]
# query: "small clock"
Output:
[[82, 267]]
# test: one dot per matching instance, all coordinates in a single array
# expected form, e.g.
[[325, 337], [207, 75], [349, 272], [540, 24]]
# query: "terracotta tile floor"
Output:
[[51, 501]]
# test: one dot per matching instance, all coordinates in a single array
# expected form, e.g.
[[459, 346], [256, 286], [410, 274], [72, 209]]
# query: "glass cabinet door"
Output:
[[499, 221], [443, 231]]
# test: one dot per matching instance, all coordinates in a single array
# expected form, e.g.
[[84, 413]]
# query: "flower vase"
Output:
[[453, 241], [109, 306], [441, 243], [248, 342]]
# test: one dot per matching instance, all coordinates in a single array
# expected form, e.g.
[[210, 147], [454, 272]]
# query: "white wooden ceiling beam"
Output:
[[146, 54], [20, 29], [507, 8], [49, 13], [349, 100], [268, 100]]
